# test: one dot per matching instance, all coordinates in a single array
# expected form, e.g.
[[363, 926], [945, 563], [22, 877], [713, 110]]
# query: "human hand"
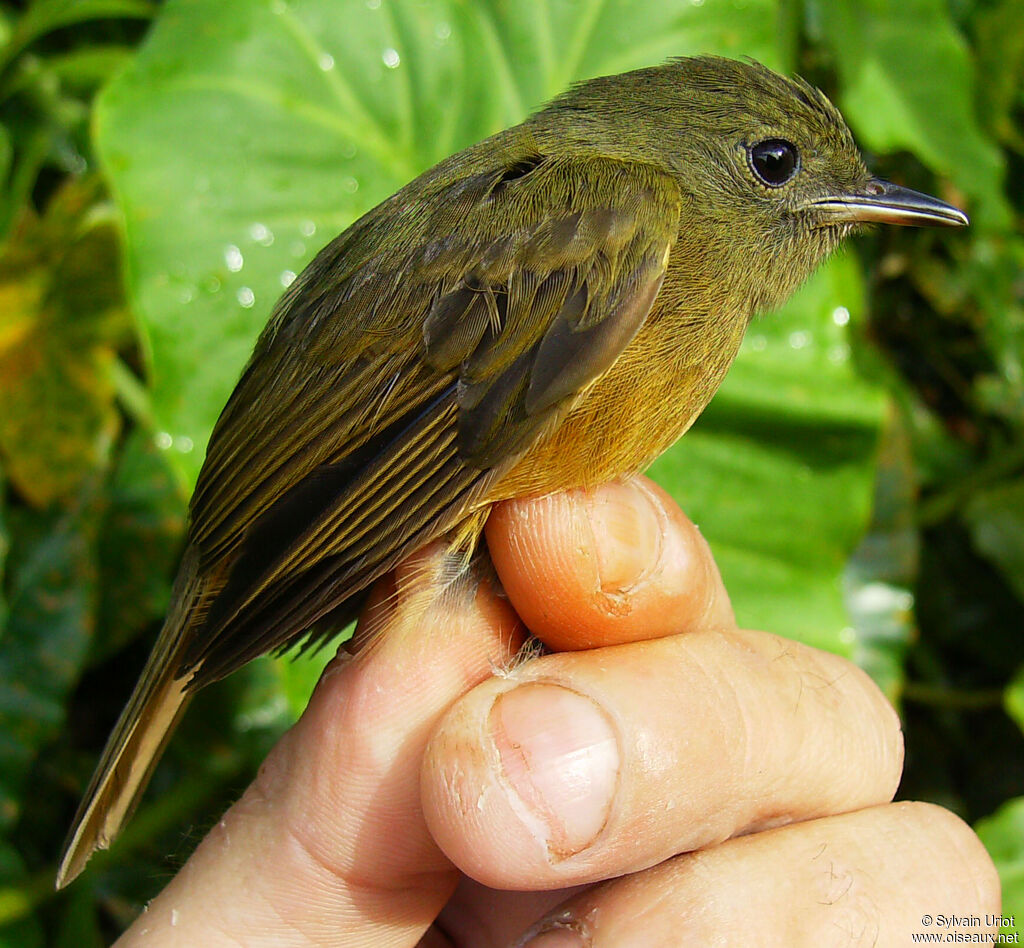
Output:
[[423, 799]]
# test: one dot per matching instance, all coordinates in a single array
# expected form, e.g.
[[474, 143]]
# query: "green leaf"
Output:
[[84, 70], [1003, 836], [80, 923], [18, 926], [889, 54], [276, 692], [995, 516], [139, 544], [5, 545], [278, 688], [881, 574], [45, 16], [51, 578], [33, 146], [299, 117], [1013, 698], [6, 156], [540, 47], [299, 673], [993, 274], [778, 472], [999, 41]]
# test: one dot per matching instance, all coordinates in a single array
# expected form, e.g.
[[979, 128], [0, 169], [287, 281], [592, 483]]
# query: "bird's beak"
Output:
[[884, 203]]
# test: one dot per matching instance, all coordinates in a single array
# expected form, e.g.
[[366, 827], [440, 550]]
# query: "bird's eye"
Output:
[[774, 161]]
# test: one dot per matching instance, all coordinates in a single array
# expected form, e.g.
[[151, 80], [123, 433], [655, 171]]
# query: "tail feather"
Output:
[[138, 739]]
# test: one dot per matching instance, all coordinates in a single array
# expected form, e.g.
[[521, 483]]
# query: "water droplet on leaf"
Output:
[[838, 354], [261, 234]]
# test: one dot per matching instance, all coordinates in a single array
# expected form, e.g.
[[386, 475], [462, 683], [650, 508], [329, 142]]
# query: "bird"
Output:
[[550, 308]]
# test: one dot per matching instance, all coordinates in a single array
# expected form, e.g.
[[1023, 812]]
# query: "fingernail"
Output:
[[628, 532], [557, 938], [560, 756]]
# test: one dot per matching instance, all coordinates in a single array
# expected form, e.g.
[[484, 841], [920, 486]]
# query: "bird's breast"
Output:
[[651, 394]]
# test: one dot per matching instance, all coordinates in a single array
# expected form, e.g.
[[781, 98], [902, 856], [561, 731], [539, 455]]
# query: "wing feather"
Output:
[[347, 443]]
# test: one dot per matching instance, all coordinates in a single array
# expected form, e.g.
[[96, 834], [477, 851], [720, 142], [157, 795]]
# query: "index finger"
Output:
[[618, 563]]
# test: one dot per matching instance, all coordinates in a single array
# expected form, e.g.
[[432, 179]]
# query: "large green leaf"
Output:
[[891, 55], [246, 135]]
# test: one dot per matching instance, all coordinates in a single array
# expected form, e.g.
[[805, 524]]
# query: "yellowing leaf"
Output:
[[61, 314]]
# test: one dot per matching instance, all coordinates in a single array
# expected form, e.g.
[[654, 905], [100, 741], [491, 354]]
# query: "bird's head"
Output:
[[770, 176]]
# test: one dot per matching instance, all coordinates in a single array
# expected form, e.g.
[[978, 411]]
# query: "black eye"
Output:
[[774, 161]]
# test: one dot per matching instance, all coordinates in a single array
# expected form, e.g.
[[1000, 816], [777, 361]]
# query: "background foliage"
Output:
[[166, 169]]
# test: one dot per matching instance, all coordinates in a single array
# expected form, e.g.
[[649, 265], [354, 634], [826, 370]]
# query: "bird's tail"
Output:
[[138, 739]]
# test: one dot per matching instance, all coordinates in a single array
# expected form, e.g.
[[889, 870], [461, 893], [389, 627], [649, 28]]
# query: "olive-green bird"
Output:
[[550, 308]]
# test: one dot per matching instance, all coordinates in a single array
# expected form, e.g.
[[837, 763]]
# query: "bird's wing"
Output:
[[403, 372]]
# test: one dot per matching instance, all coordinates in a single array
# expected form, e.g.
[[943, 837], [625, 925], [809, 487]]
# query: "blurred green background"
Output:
[[167, 168]]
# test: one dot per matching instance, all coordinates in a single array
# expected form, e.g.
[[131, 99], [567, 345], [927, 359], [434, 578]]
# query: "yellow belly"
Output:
[[652, 393]]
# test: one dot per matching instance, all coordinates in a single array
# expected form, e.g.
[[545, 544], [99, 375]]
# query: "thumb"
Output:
[[617, 563], [328, 846]]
